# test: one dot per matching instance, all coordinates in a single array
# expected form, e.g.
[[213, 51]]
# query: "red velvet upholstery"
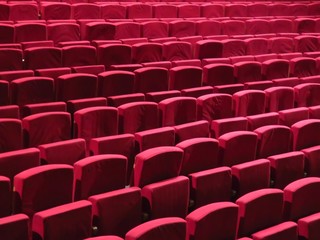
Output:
[[306, 94], [291, 116]]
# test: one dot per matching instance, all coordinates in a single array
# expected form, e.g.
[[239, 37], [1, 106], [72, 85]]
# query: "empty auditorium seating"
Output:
[[304, 134]]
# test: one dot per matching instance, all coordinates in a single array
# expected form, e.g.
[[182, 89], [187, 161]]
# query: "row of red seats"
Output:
[[100, 120], [126, 57], [260, 142], [122, 10], [21, 86], [285, 207], [102, 30]]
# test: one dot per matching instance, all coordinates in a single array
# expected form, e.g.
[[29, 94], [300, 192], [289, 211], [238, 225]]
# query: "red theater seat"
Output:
[[286, 168], [14, 227], [273, 139], [95, 122], [76, 86], [138, 116], [99, 174], [171, 227], [72, 219], [48, 127], [115, 82], [30, 90], [267, 203], [63, 152], [237, 147], [119, 206], [43, 187], [199, 154], [177, 110], [215, 220]]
